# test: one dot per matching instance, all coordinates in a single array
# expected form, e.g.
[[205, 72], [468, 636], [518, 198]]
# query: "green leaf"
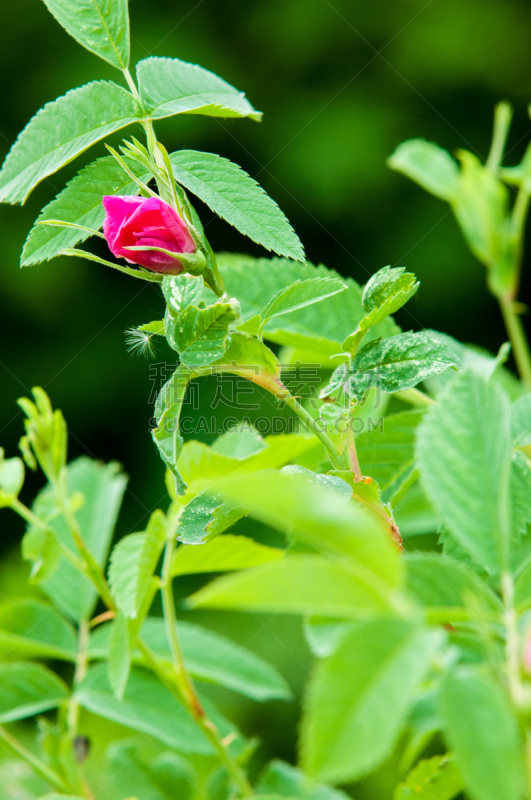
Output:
[[232, 194], [392, 365], [102, 26], [28, 689], [521, 421], [203, 466], [40, 546], [205, 517], [464, 455], [414, 514], [320, 517], [387, 291], [239, 442], [61, 797], [11, 478], [251, 359], [133, 562], [181, 291], [164, 777], [170, 86], [149, 707], [256, 281], [199, 335], [30, 628], [436, 580], [102, 487], [486, 739], [387, 455], [301, 294], [62, 130], [225, 554], [358, 697], [79, 203], [435, 778], [120, 655], [307, 584], [168, 411], [428, 165], [285, 780]]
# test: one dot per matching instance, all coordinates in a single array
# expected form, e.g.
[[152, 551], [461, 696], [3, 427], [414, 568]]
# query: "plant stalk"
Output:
[[38, 766], [519, 343], [330, 447]]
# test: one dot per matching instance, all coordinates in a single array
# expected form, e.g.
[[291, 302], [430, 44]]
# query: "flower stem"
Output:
[[184, 684], [38, 766]]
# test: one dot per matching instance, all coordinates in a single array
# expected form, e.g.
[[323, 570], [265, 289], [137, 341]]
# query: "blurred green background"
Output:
[[341, 83]]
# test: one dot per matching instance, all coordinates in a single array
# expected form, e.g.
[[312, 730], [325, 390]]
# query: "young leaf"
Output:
[[199, 335], [486, 739], [205, 517], [306, 584], [102, 487], [181, 291], [225, 554], [79, 203], [391, 365], [464, 455], [232, 194], [11, 478], [62, 130], [28, 689], [170, 86], [149, 707], [387, 291], [435, 778], [299, 295], [284, 780], [255, 281], [429, 165], [102, 26], [167, 411], [133, 563], [358, 697], [32, 629]]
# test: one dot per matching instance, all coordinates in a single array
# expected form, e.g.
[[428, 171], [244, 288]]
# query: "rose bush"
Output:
[[146, 222]]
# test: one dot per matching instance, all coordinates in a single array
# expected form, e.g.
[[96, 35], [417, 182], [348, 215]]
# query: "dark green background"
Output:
[[341, 83]]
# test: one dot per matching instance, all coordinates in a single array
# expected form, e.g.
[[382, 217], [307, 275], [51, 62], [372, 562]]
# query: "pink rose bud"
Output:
[[146, 222]]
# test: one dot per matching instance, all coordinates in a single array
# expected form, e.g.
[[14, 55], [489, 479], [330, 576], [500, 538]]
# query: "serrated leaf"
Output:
[[62, 130], [387, 291], [28, 689], [391, 365], [79, 203], [428, 165], [322, 518], [236, 197], [170, 86], [199, 335], [301, 294], [102, 487], [485, 739], [205, 517], [435, 778], [149, 707], [358, 697], [30, 628], [308, 584], [181, 291], [133, 563], [255, 281], [464, 455], [167, 412], [225, 554], [284, 780], [102, 26]]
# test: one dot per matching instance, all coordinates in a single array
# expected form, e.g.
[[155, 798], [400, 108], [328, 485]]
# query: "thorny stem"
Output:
[[183, 681], [38, 766]]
